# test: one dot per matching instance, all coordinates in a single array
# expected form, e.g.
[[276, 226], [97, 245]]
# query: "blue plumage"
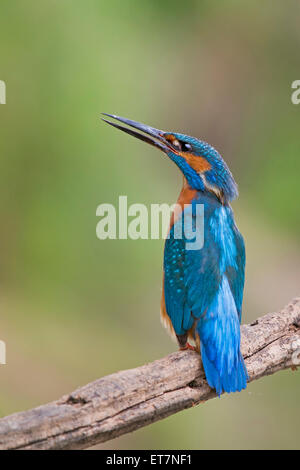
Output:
[[219, 333], [209, 299], [203, 287]]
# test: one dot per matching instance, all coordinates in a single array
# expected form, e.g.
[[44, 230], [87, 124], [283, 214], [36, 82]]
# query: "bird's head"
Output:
[[202, 166]]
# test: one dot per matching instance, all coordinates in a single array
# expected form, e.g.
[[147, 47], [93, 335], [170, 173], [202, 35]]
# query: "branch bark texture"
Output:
[[130, 399]]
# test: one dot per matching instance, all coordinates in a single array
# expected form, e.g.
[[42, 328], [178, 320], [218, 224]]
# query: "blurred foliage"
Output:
[[74, 308]]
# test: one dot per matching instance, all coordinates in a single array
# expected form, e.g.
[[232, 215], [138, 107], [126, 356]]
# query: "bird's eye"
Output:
[[182, 145], [186, 147], [179, 144]]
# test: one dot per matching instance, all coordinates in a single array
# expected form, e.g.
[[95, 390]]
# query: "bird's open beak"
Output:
[[157, 137]]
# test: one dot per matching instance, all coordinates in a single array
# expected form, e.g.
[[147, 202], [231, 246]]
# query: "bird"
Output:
[[203, 288]]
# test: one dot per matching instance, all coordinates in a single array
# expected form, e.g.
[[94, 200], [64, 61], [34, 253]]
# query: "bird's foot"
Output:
[[188, 346]]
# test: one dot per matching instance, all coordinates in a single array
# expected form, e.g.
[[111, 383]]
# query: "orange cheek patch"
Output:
[[199, 164]]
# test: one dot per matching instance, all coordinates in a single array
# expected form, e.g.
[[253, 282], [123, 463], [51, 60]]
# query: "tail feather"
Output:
[[225, 381], [219, 333]]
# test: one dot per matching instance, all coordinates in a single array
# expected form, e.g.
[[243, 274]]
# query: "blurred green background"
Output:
[[74, 308]]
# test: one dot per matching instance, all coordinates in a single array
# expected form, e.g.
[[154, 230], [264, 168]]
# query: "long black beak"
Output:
[[157, 137]]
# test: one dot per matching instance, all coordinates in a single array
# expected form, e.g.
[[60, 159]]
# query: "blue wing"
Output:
[[207, 285], [174, 286], [191, 277]]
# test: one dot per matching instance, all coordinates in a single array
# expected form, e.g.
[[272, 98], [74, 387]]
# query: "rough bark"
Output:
[[130, 399]]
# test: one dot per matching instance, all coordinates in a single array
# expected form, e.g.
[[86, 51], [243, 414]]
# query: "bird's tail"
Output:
[[219, 333]]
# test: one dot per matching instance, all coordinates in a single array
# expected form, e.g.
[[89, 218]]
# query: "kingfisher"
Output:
[[202, 288]]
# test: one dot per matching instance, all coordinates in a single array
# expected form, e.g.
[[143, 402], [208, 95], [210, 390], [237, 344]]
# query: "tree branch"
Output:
[[130, 399]]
